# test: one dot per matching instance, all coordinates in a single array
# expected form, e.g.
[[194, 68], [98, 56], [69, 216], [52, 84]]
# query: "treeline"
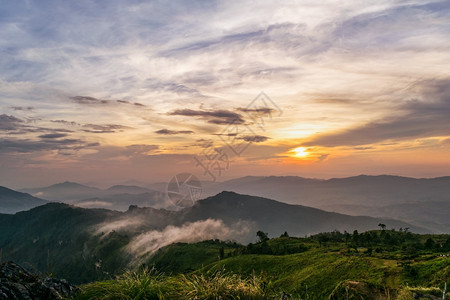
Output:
[[377, 241], [386, 240]]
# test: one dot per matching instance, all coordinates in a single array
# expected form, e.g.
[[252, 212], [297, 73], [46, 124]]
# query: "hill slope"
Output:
[[12, 201], [276, 217]]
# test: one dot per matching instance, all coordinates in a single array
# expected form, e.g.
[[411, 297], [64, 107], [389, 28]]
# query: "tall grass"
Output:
[[149, 284], [144, 284], [220, 285]]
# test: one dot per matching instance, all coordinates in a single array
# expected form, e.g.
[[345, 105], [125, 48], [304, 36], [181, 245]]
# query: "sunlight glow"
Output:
[[300, 152]]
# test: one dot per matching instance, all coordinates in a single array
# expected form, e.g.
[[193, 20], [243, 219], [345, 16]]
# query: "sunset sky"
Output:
[[106, 92]]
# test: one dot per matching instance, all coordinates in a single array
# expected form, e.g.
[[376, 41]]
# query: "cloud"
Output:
[[254, 138], [95, 128], [130, 103], [173, 87], [16, 126], [88, 100], [28, 145], [9, 122], [219, 117], [70, 123], [260, 111], [125, 224], [322, 157], [94, 204], [151, 241], [171, 132], [53, 135], [23, 108], [426, 116], [141, 149], [107, 128]]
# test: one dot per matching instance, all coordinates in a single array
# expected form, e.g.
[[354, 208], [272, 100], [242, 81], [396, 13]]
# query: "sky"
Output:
[[107, 92]]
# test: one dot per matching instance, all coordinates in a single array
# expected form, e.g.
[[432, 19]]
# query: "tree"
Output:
[[382, 226], [347, 237], [221, 252], [285, 234], [446, 245], [262, 236], [430, 244], [355, 237]]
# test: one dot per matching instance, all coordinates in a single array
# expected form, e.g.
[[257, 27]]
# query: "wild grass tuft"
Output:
[[144, 284], [221, 285], [149, 284]]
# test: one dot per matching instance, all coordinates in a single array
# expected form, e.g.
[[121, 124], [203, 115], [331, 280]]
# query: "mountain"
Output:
[[276, 217], [117, 197], [12, 201], [427, 200], [58, 238], [362, 190], [86, 244], [433, 214], [127, 189], [122, 201], [64, 191]]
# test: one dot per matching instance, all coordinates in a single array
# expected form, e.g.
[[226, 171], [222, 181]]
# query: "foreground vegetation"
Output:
[[149, 284], [372, 265]]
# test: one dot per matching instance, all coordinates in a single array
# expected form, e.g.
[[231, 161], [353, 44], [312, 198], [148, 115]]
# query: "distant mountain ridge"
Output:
[[117, 197], [363, 189], [276, 217], [426, 200], [127, 189], [64, 191], [12, 201]]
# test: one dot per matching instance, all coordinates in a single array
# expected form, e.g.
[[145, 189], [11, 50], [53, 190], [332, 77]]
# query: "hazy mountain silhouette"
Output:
[[128, 189], [420, 201], [12, 201], [64, 191], [117, 197], [122, 202]]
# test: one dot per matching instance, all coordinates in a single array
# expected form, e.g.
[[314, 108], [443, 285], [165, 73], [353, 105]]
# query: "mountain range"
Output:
[[421, 202], [117, 197], [73, 242], [12, 201]]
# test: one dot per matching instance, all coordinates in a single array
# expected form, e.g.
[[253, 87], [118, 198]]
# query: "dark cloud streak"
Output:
[[53, 135], [8, 122], [107, 128], [172, 132], [219, 117]]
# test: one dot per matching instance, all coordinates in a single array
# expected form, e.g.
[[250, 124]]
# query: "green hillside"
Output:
[[371, 265], [183, 257]]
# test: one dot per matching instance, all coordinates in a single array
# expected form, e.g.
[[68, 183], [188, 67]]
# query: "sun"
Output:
[[300, 152]]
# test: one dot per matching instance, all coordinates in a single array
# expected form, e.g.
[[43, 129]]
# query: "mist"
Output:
[[151, 241]]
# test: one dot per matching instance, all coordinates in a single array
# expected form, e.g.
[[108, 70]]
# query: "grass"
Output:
[[304, 268], [144, 284], [221, 285], [149, 284]]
